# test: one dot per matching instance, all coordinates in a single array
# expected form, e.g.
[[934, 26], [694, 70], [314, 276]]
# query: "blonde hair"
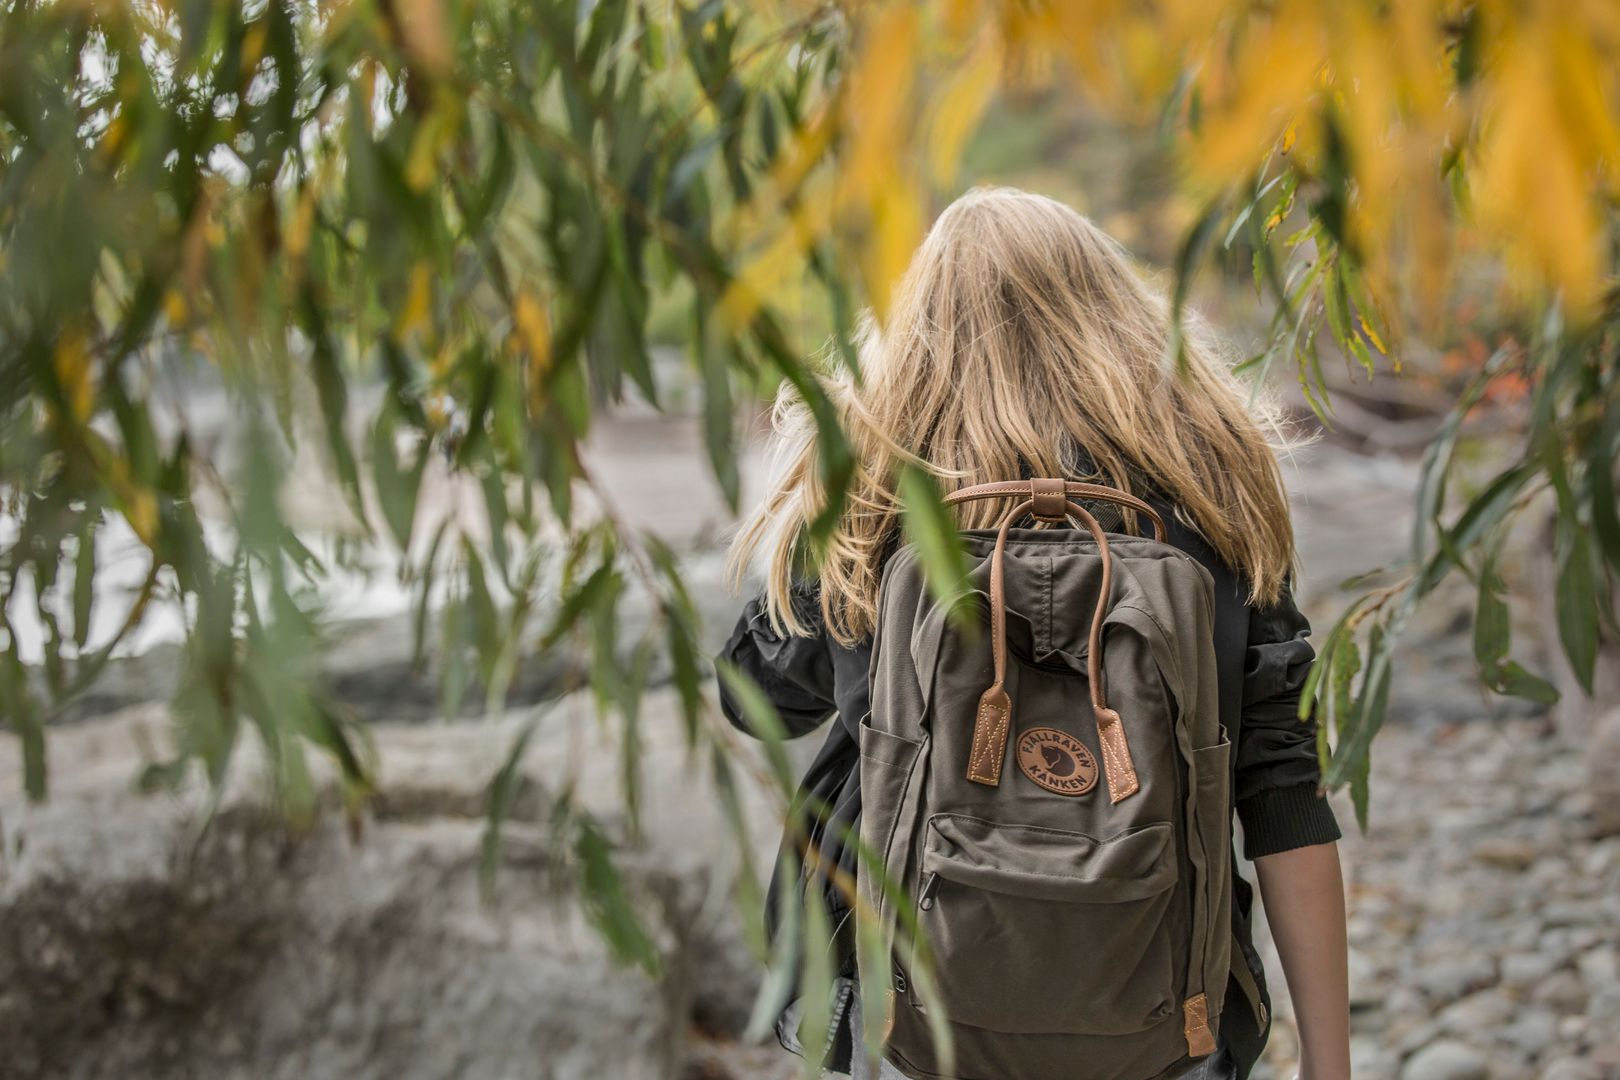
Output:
[[1021, 330]]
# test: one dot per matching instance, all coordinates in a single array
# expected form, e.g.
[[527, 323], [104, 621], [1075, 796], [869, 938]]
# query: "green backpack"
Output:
[[1054, 797]]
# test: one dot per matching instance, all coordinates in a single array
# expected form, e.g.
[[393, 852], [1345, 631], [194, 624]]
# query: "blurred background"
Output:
[[363, 551]]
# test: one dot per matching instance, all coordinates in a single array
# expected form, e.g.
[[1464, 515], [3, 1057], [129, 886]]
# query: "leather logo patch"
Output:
[[1057, 761]]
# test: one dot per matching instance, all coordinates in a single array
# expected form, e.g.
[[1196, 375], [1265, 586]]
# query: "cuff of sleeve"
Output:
[[1284, 818]]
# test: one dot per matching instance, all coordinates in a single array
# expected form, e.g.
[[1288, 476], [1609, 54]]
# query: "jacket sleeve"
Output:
[[795, 673], [1277, 770]]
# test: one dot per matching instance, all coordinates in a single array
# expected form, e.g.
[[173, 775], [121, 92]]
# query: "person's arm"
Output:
[[1290, 834], [1303, 892], [794, 673]]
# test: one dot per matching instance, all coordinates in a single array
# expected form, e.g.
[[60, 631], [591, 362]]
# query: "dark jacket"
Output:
[[1262, 659]]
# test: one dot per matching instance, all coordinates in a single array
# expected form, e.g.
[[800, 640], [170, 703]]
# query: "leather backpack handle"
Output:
[[1048, 495], [992, 724]]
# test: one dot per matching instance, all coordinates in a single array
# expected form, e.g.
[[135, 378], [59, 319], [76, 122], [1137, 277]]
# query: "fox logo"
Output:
[[1057, 761]]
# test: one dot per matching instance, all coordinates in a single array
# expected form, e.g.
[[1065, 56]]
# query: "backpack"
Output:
[[1054, 798]]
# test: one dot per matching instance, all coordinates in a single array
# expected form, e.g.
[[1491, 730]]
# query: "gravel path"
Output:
[[1485, 918]]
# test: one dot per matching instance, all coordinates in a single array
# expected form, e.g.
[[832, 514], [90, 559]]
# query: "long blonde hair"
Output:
[[1021, 330]]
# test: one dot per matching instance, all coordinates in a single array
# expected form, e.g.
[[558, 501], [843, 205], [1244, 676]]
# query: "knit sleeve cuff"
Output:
[[1283, 818]]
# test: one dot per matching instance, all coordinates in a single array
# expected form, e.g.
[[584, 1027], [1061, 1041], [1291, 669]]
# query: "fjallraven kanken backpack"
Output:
[[1053, 794]]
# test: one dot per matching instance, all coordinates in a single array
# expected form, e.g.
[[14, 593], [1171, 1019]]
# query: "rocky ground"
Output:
[[1485, 916], [1485, 906]]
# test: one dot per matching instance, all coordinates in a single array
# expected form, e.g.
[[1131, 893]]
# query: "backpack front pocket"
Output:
[[1036, 930]]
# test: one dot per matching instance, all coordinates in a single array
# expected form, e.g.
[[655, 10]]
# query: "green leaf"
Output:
[[1359, 794], [333, 395], [502, 796], [719, 412], [84, 574], [1600, 472], [1437, 457], [602, 582], [1577, 601], [1492, 627], [764, 723], [1367, 713], [1194, 246], [1515, 681], [396, 488], [607, 903], [930, 528]]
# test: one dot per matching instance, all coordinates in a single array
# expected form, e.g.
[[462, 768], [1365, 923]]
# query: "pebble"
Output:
[[1562, 990], [1447, 980], [1368, 989], [1523, 969], [1532, 1032], [1482, 1011], [1569, 1068], [1447, 1059], [1506, 852]]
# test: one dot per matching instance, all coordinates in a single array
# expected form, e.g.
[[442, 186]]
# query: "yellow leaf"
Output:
[[302, 224], [877, 100], [426, 30], [1532, 184], [422, 161], [1583, 102], [175, 309], [532, 325], [957, 113], [1370, 334], [897, 228], [418, 300], [113, 138], [1276, 73], [140, 510], [73, 373], [253, 42]]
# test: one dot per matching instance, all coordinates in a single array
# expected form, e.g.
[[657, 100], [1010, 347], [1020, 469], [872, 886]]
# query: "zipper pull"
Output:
[[930, 887]]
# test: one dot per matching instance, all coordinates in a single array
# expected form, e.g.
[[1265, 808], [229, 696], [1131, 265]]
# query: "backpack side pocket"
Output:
[[891, 773]]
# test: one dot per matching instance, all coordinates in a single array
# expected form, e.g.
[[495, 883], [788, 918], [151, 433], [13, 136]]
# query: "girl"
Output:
[[1022, 342]]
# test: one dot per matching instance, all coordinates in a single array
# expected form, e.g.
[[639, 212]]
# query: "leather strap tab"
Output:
[[1245, 980], [990, 727], [1049, 499], [1195, 1025], [1116, 752]]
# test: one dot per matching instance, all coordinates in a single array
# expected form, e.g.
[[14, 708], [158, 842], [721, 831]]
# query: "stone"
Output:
[[1368, 988], [1506, 852], [1450, 978], [1603, 773], [1369, 1057], [1483, 1011], [1569, 1068], [1523, 969], [1563, 991], [1447, 1059], [1599, 966], [1532, 1032]]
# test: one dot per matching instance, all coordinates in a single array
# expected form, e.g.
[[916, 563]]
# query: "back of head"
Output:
[[1021, 332]]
